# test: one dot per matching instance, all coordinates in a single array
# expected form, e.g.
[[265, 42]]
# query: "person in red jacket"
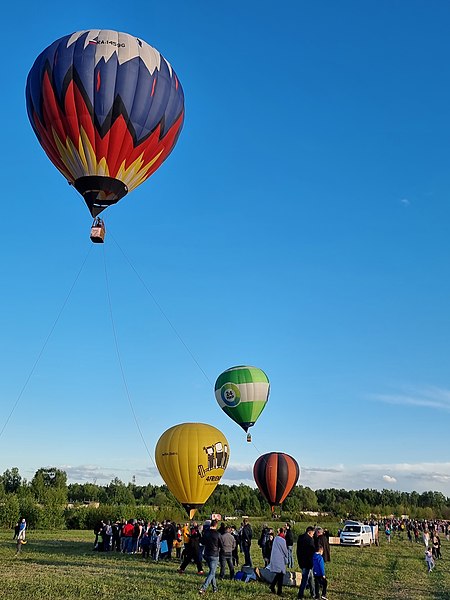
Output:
[[127, 536]]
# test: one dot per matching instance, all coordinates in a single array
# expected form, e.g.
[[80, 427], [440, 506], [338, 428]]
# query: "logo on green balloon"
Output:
[[230, 395]]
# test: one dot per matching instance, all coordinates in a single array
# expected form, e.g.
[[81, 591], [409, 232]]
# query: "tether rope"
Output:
[[47, 339], [164, 314], [119, 359], [124, 379]]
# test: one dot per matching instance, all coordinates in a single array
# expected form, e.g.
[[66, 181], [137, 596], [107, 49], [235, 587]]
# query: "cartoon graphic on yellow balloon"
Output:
[[191, 458]]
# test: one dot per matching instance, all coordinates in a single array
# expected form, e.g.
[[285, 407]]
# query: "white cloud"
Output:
[[405, 201], [103, 475], [407, 477], [427, 397], [389, 479]]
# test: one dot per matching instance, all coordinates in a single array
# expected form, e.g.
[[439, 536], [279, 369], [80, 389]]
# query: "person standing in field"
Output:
[[278, 560], [263, 543], [145, 545], [436, 551], [320, 579], [191, 550], [21, 535], [246, 541], [305, 553], [212, 543], [321, 541], [226, 555], [127, 537], [387, 533], [267, 549], [236, 536], [289, 537], [178, 542], [185, 531], [16, 529], [429, 559]]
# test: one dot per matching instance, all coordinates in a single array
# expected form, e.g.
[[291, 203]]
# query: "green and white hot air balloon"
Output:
[[242, 393]]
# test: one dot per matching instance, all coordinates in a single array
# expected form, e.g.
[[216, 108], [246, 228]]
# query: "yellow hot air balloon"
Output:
[[191, 458]]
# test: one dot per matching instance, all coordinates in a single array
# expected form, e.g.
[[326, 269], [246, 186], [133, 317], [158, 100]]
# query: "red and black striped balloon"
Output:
[[275, 474]]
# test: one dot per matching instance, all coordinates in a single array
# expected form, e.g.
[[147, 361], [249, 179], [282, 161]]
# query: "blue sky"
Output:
[[300, 225]]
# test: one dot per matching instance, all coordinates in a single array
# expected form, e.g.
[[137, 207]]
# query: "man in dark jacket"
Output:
[[212, 543], [305, 553], [321, 541], [169, 534], [191, 550], [289, 537], [246, 541]]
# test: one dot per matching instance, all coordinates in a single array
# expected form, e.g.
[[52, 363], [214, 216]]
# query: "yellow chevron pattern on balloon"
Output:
[[82, 160], [136, 173]]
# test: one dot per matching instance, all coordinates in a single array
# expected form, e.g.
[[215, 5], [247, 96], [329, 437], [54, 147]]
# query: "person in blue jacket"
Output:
[[320, 579]]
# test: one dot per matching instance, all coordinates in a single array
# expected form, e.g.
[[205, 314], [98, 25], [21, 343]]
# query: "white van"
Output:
[[356, 534]]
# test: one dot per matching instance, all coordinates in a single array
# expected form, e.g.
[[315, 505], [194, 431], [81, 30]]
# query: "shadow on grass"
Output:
[[110, 561]]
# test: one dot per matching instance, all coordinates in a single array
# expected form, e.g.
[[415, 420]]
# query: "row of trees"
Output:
[[47, 501]]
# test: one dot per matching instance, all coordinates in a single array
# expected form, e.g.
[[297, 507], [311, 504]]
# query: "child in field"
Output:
[[387, 531], [429, 559], [319, 574]]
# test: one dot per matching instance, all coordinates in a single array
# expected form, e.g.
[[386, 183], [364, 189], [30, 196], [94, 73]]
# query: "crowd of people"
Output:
[[219, 549], [192, 543], [421, 532]]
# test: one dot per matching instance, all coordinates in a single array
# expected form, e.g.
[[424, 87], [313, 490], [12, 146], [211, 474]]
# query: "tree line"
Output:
[[48, 501]]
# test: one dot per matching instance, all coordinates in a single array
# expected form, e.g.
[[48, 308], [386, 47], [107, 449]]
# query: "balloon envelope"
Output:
[[242, 393], [107, 108], [191, 458], [275, 475]]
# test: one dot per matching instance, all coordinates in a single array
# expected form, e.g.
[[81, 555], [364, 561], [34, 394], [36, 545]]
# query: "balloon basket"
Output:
[[98, 231], [249, 437]]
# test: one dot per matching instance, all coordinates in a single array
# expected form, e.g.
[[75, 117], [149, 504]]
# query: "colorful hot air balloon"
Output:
[[242, 392], [275, 475], [191, 458], [107, 108]]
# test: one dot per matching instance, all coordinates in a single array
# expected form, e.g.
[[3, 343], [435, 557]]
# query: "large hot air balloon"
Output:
[[107, 108], [242, 392], [191, 458], [275, 475]]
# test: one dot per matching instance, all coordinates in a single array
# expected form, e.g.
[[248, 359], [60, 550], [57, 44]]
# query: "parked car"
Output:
[[356, 534]]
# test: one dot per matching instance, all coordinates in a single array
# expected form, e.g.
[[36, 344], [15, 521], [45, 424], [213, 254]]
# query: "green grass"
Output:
[[61, 565]]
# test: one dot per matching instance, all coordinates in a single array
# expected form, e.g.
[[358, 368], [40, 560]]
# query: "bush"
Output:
[[9, 511]]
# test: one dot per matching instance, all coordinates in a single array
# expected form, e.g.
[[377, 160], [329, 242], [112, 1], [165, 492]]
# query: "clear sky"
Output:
[[301, 225]]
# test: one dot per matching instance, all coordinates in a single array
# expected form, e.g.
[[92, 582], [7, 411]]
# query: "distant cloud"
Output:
[[103, 475], [405, 201], [337, 469], [406, 476], [389, 479], [239, 473], [427, 397]]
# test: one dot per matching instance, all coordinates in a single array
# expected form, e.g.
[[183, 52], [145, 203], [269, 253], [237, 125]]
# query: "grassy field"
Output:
[[61, 565]]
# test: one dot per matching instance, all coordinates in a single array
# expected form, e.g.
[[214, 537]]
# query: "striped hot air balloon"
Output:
[[275, 475], [107, 108], [242, 393]]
